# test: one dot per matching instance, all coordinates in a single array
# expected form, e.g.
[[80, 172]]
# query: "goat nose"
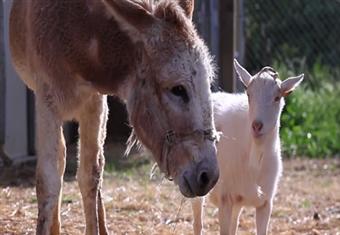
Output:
[[257, 126]]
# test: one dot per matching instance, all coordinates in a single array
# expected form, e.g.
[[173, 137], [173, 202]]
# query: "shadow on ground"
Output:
[[21, 172]]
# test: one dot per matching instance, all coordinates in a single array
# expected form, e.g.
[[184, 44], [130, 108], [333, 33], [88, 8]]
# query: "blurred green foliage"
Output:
[[310, 123], [281, 30], [300, 36]]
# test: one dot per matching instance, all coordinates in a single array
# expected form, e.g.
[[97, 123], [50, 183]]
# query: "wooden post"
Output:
[[239, 39], [202, 19], [2, 84], [16, 98], [226, 42], [2, 78], [6, 160]]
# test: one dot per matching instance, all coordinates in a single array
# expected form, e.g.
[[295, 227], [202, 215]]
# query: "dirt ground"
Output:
[[307, 202]]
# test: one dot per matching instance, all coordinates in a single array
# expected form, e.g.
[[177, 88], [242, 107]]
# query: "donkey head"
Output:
[[169, 102], [266, 94]]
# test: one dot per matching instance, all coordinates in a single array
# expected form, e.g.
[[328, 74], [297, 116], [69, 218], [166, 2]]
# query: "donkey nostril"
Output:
[[203, 178]]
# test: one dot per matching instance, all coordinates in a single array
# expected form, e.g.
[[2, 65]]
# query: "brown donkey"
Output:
[[73, 53]]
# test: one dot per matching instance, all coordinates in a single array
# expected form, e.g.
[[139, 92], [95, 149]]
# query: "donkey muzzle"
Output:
[[199, 179]]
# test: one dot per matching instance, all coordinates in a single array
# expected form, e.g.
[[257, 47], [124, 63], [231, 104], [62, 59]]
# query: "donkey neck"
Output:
[[77, 38]]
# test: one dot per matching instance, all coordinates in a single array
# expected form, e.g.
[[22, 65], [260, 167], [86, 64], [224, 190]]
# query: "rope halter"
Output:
[[172, 138]]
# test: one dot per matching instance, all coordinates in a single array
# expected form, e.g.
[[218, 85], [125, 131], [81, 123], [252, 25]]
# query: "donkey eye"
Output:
[[181, 92], [277, 98]]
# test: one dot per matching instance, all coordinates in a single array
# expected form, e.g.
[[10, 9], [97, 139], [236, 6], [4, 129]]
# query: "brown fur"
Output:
[[73, 53], [60, 44]]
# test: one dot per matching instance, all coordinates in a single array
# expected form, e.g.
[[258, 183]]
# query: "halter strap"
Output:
[[172, 138]]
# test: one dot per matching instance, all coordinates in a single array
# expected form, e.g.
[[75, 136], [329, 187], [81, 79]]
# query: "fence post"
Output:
[[2, 79], [226, 42], [239, 39], [6, 160], [16, 98]]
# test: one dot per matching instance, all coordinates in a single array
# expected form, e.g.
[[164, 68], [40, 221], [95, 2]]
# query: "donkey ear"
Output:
[[132, 16], [188, 7], [288, 85], [242, 73]]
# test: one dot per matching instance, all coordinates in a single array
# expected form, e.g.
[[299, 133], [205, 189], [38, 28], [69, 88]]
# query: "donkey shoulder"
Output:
[[72, 38]]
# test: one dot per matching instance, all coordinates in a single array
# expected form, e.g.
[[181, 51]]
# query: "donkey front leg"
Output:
[[92, 124], [262, 217], [197, 204], [50, 166]]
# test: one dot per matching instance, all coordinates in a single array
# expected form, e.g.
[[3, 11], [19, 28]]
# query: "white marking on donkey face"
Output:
[[187, 97], [188, 75]]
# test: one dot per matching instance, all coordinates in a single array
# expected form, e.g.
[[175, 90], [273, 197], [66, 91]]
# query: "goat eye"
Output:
[[181, 92], [277, 98]]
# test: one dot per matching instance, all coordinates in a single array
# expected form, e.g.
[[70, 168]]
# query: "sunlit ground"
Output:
[[308, 202]]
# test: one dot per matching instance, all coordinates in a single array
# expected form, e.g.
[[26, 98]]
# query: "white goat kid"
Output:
[[249, 154]]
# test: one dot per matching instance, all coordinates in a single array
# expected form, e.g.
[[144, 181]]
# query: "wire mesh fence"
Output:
[[295, 32]]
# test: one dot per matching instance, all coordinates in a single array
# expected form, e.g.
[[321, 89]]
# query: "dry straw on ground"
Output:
[[308, 202]]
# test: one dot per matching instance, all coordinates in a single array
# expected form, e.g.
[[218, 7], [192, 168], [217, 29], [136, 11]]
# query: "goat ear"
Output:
[[132, 16], [242, 74], [188, 7], [288, 85]]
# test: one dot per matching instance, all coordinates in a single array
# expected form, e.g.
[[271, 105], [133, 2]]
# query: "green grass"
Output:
[[310, 123]]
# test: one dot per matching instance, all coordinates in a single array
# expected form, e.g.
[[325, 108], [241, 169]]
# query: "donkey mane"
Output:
[[146, 4], [171, 12]]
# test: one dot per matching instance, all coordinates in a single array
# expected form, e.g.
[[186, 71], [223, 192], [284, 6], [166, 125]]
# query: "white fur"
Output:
[[250, 165]]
